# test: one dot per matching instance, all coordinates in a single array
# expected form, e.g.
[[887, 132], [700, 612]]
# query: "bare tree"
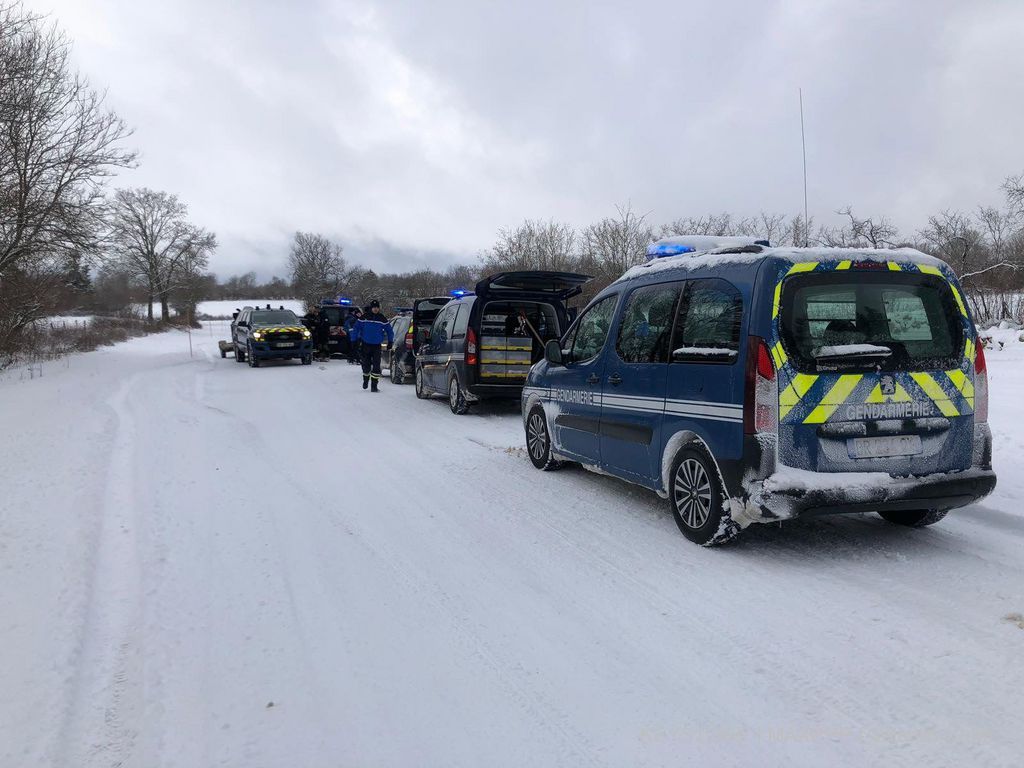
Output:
[[613, 245], [58, 144], [534, 245], [154, 241], [318, 268], [859, 232], [719, 224]]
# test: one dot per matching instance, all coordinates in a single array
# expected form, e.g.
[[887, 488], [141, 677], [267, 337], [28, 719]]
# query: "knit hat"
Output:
[[374, 303]]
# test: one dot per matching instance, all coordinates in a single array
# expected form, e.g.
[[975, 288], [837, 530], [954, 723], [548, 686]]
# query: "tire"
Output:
[[696, 498], [307, 359], [456, 396], [916, 518], [254, 361], [538, 441], [397, 373], [239, 354], [421, 387]]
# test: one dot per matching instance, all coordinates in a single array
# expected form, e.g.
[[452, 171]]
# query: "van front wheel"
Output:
[[538, 440], [697, 500], [915, 518]]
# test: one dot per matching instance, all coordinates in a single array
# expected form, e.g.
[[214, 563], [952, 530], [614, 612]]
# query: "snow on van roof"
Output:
[[747, 254]]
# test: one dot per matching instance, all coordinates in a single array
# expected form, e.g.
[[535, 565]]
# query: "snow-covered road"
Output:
[[207, 565]]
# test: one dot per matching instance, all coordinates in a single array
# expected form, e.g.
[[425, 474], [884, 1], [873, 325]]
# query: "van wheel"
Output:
[[397, 374], [697, 500], [239, 354], [456, 397], [538, 440], [254, 362], [915, 518], [421, 388]]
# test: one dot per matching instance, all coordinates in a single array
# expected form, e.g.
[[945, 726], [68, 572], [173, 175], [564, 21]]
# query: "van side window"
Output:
[[646, 327], [442, 324], [710, 317], [592, 330], [461, 323]]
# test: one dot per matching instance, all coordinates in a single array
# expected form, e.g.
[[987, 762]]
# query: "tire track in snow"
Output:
[[100, 727]]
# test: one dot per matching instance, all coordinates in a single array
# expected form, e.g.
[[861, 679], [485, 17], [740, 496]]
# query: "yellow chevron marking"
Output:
[[963, 385], [901, 396], [803, 266], [779, 356], [959, 300], [844, 264], [936, 393], [834, 398], [894, 267], [793, 394], [930, 270], [970, 351]]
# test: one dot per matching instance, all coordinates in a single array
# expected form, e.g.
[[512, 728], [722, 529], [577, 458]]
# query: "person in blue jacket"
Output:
[[372, 330]]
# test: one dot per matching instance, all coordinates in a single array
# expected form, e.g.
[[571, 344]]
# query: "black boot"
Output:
[[366, 381], [373, 385]]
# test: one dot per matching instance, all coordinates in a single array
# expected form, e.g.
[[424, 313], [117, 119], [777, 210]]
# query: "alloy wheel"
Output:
[[537, 436], [692, 493]]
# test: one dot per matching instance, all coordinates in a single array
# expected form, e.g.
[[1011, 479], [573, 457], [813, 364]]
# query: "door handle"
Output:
[[615, 379], [593, 378]]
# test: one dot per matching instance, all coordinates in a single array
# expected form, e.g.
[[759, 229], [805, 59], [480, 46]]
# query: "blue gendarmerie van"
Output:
[[750, 384]]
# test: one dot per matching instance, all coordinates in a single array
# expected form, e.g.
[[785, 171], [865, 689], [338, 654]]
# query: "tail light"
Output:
[[980, 387], [761, 398], [409, 338], [471, 347]]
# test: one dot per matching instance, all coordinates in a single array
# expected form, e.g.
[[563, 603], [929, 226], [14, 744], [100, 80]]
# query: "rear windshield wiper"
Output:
[[840, 353]]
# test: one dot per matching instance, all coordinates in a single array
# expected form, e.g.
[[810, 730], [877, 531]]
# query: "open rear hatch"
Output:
[[537, 283], [423, 313]]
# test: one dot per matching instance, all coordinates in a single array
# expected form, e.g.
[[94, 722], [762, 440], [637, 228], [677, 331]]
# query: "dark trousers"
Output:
[[371, 362]]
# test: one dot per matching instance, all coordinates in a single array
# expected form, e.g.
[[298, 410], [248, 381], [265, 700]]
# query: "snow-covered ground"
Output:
[[208, 565]]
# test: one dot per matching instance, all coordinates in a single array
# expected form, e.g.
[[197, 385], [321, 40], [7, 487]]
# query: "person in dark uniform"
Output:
[[350, 331], [322, 337], [372, 330]]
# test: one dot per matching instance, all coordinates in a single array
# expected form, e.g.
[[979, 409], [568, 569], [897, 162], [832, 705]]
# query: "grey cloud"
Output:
[[413, 131]]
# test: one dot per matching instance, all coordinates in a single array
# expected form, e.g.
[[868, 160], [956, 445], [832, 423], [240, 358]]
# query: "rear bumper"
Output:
[[792, 493], [266, 351], [779, 493]]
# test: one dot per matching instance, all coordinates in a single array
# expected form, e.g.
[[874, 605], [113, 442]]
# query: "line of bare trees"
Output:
[[985, 247], [59, 146]]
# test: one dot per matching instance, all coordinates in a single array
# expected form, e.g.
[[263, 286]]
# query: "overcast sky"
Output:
[[412, 130]]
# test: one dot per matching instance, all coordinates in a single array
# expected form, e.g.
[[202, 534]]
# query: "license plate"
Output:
[[284, 344], [884, 447]]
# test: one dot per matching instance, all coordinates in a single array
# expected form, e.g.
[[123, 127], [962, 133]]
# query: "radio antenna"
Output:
[[803, 142]]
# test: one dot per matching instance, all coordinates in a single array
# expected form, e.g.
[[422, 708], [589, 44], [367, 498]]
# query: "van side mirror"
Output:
[[553, 352]]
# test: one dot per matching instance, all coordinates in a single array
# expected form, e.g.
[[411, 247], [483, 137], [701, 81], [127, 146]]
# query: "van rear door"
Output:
[[876, 369], [560, 286], [423, 313]]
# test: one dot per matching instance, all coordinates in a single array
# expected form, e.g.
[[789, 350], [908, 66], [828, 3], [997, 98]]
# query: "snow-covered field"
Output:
[[208, 565], [225, 308]]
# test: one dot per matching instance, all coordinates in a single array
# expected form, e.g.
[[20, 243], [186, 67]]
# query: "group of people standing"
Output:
[[362, 334]]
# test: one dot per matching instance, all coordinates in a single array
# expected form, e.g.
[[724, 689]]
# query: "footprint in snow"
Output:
[[1015, 618]]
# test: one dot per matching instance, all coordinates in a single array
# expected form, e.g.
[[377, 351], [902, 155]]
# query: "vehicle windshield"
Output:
[[274, 317], [856, 320]]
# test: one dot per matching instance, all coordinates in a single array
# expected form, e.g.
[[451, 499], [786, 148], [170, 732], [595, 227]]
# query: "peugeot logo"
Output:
[[888, 385]]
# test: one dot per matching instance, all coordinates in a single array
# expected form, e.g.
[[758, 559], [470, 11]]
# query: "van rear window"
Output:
[[854, 320]]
